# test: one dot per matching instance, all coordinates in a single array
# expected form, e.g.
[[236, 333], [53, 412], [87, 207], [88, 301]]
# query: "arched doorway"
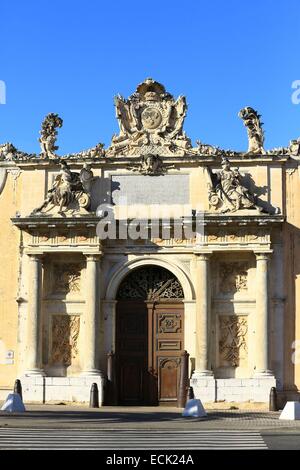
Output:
[[149, 336]]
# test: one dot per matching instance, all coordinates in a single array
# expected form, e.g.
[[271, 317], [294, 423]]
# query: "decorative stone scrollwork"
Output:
[[212, 151], [9, 152], [67, 278], [233, 277], [152, 165], [150, 283], [150, 119], [65, 333], [233, 339], [3, 177], [94, 152], [292, 149]]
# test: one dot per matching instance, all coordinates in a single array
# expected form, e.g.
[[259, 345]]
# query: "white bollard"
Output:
[[194, 409], [291, 411], [13, 404]]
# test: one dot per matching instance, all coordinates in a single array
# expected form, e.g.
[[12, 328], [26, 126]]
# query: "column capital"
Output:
[[263, 255], [203, 255], [36, 256], [93, 256]]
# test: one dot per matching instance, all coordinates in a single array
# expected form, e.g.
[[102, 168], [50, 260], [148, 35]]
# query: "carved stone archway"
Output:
[[124, 269], [151, 283], [149, 336]]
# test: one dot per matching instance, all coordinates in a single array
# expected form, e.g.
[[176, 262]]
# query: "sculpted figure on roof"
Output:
[[255, 131], [49, 135]]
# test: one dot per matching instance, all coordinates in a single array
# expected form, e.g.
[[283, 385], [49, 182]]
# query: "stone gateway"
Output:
[[117, 260]]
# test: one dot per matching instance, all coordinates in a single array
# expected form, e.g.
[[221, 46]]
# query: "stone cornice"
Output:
[[207, 219], [123, 162], [241, 219]]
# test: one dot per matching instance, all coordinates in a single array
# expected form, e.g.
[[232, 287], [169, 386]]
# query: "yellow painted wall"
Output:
[[9, 256]]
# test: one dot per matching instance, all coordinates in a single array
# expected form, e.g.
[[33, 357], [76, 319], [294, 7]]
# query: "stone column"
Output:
[[203, 308], [109, 310], [91, 315], [34, 323], [262, 300]]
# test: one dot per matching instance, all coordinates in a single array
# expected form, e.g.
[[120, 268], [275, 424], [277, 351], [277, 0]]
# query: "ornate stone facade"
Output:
[[224, 287]]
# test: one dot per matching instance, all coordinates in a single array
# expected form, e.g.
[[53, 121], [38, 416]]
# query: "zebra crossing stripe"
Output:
[[116, 439]]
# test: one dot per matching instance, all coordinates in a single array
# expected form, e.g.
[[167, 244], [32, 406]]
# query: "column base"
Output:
[[255, 390], [91, 372], [263, 373], [34, 372], [202, 373], [67, 389], [204, 385]]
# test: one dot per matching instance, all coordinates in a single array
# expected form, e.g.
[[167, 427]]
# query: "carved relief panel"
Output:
[[66, 278], [233, 277], [65, 333], [233, 340], [168, 378], [169, 323]]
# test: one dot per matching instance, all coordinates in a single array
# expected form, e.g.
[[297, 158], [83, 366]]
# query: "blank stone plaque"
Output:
[[139, 189]]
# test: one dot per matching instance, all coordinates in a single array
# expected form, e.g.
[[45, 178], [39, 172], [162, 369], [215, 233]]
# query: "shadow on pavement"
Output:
[[117, 416]]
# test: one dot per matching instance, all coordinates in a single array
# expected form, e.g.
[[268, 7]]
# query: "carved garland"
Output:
[[233, 277], [151, 283], [67, 278], [233, 338], [65, 332]]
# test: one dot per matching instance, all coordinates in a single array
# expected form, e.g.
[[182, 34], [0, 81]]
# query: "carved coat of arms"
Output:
[[151, 122]]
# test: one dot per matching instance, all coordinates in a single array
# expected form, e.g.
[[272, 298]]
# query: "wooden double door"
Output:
[[149, 343]]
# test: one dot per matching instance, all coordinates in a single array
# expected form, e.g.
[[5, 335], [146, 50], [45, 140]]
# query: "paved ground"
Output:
[[61, 416], [263, 428]]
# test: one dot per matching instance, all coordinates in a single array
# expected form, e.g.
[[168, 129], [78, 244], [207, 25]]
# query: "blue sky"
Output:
[[71, 57]]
